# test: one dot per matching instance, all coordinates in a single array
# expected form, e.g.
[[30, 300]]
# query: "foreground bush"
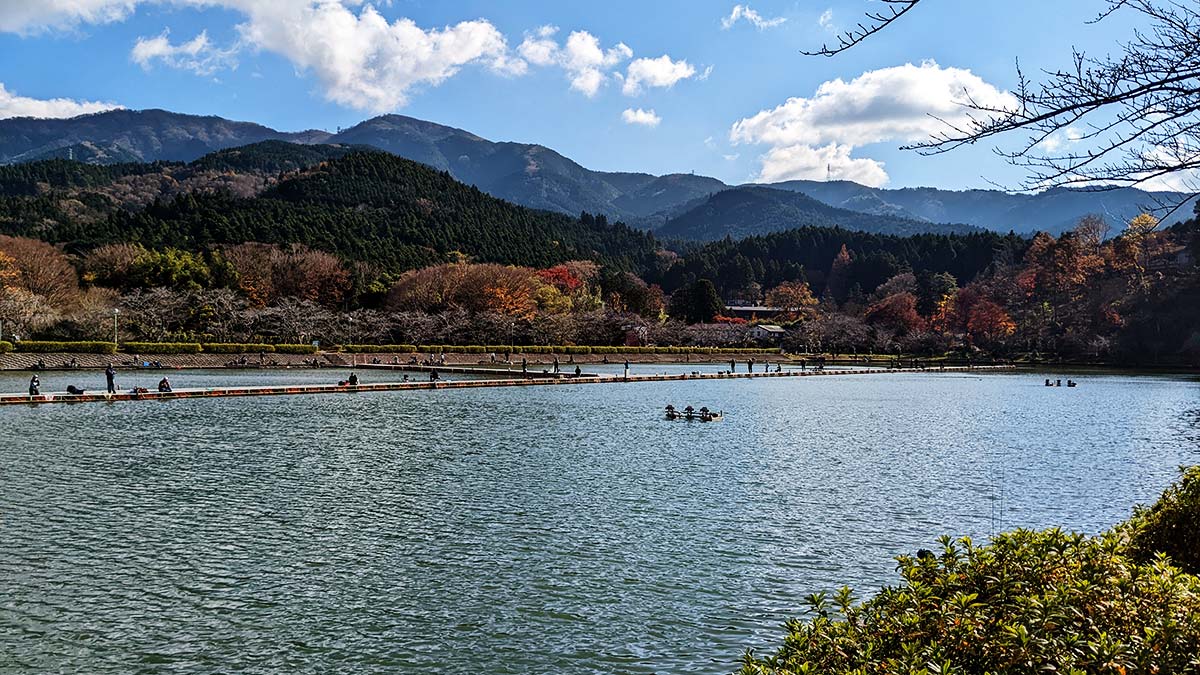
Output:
[[1028, 602], [43, 347], [5, 347], [1171, 526]]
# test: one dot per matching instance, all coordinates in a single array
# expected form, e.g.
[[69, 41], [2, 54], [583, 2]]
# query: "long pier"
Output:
[[502, 373], [284, 390]]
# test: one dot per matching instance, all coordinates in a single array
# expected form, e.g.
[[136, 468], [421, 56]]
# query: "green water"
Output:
[[527, 530]]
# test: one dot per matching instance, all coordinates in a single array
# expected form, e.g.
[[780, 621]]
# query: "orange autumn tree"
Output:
[[898, 312], [795, 298]]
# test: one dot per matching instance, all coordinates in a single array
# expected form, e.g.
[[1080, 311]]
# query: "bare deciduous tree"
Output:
[[1102, 123]]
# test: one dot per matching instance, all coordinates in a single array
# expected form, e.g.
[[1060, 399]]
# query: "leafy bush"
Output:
[[380, 349], [160, 347], [1028, 602], [1171, 526], [237, 348], [5, 347], [295, 349], [43, 347]]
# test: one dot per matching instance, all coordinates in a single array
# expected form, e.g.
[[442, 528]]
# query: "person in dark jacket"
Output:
[[110, 374], [35, 386], [164, 386], [353, 381]]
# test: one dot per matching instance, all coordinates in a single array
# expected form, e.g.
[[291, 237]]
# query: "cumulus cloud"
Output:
[[744, 13], [31, 16], [12, 105], [588, 66], [197, 55], [362, 60], [813, 137], [661, 72], [646, 118]]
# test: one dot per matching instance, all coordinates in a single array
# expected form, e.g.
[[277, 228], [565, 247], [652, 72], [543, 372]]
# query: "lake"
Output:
[[528, 530]]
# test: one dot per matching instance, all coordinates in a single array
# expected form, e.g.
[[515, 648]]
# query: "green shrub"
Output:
[[295, 349], [5, 347], [380, 349], [44, 346], [237, 348], [1171, 526], [160, 347], [1028, 602]]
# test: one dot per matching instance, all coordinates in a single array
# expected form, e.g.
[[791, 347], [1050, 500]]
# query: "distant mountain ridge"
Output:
[[538, 177], [1054, 211], [756, 210]]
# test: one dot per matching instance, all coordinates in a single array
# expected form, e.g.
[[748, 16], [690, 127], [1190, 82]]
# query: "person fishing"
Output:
[[35, 386], [352, 380], [164, 386], [110, 375]]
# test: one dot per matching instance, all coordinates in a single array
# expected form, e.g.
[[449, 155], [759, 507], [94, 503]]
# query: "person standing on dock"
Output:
[[35, 386], [556, 365], [732, 366], [524, 366], [627, 369], [110, 375], [578, 371], [750, 366]]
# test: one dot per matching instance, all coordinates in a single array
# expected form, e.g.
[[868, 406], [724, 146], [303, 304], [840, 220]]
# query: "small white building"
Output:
[[768, 332]]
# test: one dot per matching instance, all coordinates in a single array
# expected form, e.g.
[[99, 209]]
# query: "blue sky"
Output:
[[654, 85]]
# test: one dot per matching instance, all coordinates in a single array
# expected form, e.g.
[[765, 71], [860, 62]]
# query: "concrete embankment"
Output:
[[64, 361], [220, 392]]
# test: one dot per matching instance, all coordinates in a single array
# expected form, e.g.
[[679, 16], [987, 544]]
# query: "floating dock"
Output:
[[285, 390]]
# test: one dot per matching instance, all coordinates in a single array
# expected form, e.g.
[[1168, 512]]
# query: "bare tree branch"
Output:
[[877, 22]]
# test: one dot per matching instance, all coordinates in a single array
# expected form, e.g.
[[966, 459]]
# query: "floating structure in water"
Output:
[[690, 414]]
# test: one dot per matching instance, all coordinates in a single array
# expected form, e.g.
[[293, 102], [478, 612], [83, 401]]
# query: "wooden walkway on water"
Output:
[[283, 390]]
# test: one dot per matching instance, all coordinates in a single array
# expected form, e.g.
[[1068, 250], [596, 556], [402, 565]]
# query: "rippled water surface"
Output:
[[527, 530]]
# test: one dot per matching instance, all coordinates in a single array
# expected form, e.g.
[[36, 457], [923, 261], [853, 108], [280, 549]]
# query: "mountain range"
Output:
[[683, 206]]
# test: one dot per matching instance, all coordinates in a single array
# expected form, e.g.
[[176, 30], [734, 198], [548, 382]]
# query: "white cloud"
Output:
[[588, 66], [815, 136], [833, 161], [646, 118], [743, 12], [31, 16], [197, 55], [360, 59], [12, 105], [1061, 139], [661, 72], [826, 21]]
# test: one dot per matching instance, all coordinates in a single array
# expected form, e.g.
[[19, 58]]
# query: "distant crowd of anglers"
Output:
[[110, 378]]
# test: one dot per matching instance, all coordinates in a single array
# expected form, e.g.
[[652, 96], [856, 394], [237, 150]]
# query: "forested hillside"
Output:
[[365, 206]]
